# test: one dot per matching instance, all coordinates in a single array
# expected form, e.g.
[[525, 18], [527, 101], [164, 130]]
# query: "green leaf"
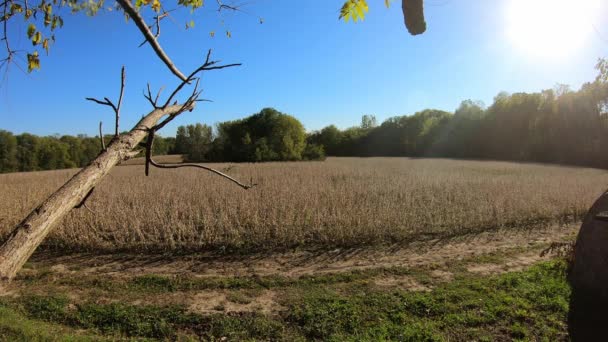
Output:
[[16, 8], [37, 38], [45, 45], [33, 62], [156, 5], [353, 9], [31, 29]]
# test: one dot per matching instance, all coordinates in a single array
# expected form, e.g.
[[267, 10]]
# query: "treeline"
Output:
[[266, 136], [553, 126], [27, 152]]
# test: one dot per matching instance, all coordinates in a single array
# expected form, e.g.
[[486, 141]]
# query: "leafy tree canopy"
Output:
[[43, 17]]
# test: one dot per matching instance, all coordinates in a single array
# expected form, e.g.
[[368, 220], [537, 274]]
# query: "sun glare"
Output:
[[551, 30]]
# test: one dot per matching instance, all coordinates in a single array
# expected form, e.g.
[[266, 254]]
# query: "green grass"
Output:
[[527, 305], [531, 304], [14, 326]]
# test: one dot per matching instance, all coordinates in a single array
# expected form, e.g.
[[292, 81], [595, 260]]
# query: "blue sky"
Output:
[[301, 61]]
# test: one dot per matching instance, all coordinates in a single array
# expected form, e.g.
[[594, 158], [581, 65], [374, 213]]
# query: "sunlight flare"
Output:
[[551, 30]]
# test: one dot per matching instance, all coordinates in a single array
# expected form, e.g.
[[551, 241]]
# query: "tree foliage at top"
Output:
[[43, 17]]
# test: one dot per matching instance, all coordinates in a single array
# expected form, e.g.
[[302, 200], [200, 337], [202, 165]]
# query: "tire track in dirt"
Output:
[[308, 262]]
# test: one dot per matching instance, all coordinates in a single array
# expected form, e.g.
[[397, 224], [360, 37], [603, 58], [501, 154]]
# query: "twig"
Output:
[[148, 97], [150, 161], [208, 65], [149, 142], [157, 18], [103, 143], [174, 166], [109, 103], [145, 30], [117, 109], [9, 51], [221, 6]]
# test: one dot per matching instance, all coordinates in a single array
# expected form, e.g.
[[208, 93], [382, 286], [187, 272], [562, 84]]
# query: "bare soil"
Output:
[[524, 247]]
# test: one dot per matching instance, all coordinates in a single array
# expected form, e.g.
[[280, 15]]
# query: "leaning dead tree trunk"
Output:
[[28, 234]]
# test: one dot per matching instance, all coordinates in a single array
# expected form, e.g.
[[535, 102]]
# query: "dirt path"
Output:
[[419, 266], [523, 246]]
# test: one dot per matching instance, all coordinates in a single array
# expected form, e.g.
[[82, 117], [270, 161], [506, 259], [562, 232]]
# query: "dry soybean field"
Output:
[[341, 202], [343, 250]]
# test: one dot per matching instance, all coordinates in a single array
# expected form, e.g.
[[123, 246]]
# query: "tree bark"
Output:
[[27, 236]]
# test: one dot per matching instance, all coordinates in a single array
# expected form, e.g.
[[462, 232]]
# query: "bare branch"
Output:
[[145, 30], [194, 97], [9, 51], [222, 6], [188, 105], [132, 154], [122, 88], [157, 19], [148, 96], [158, 94], [208, 65], [221, 174], [109, 103], [105, 103], [103, 143], [149, 142]]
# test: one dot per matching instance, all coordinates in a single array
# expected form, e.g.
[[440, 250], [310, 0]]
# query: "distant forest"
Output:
[[553, 126]]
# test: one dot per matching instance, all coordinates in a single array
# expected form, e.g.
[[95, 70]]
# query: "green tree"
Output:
[[53, 154], [368, 121], [8, 152], [181, 141], [74, 146], [200, 138], [27, 152], [329, 137], [266, 136]]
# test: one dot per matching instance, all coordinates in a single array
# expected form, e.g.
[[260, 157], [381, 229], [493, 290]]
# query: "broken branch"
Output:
[[219, 173]]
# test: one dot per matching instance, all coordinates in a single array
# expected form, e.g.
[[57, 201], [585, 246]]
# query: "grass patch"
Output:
[[531, 304], [14, 326]]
